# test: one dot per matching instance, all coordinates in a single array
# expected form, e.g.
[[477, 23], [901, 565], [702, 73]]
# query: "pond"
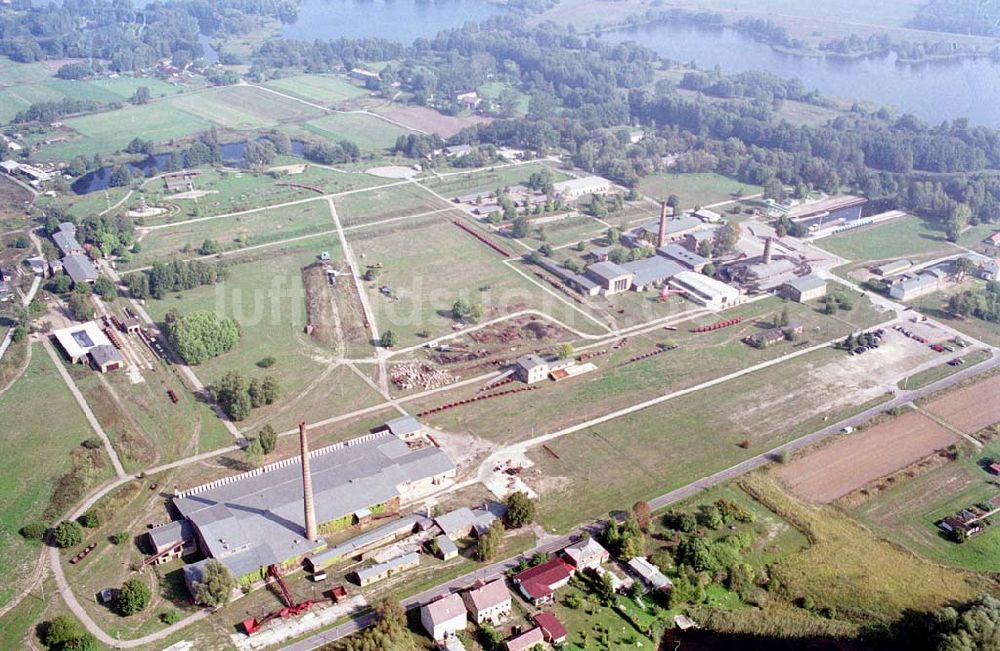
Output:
[[97, 180]]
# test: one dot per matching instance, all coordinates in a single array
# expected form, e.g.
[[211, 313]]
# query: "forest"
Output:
[[981, 17]]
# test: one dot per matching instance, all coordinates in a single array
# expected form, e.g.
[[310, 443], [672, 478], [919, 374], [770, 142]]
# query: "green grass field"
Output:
[[243, 107], [112, 130], [694, 189], [925, 377], [419, 266], [266, 297], [390, 202], [125, 87], [42, 427], [367, 132], [936, 305], [679, 441], [906, 236], [324, 89], [565, 231], [261, 227]]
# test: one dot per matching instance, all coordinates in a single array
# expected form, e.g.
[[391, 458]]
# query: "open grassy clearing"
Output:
[[850, 570], [894, 239], [495, 178], [428, 264], [41, 422], [266, 297], [267, 225], [930, 375], [236, 191], [385, 203], [422, 118], [700, 189], [327, 89], [341, 392], [125, 87], [679, 441], [570, 230], [697, 358], [367, 132], [907, 512], [243, 107], [113, 130]]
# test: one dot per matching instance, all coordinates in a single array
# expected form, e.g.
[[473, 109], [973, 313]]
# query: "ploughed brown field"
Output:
[[972, 408], [856, 459]]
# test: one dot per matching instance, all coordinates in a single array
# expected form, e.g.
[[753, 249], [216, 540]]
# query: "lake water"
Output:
[[934, 91], [395, 20]]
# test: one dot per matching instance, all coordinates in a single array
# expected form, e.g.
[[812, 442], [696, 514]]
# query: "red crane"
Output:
[[291, 609]]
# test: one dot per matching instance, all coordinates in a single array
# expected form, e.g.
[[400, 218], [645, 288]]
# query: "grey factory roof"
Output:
[[79, 268], [105, 354], [171, 533], [774, 268], [462, 521], [554, 267], [255, 520], [404, 426], [66, 241], [445, 546], [806, 283], [680, 224], [350, 547], [393, 564], [652, 270], [686, 257], [607, 270], [585, 284]]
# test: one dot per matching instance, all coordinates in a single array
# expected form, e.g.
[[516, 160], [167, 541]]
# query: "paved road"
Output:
[[671, 497]]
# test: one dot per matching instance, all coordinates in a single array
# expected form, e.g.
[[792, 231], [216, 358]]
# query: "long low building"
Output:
[[706, 291], [254, 520]]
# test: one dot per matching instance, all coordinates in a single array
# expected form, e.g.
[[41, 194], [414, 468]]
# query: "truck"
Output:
[[847, 430]]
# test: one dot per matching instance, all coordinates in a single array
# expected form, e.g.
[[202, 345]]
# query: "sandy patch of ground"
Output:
[[392, 172], [972, 408], [150, 211], [425, 119], [193, 194], [289, 169], [855, 460]]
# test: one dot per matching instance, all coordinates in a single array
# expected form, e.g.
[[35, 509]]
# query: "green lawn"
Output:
[[243, 107], [936, 305], [325, 89], [261, 227], [933, 374], [42, 426], [380, 204], [906, 236], [125, 87], [112, 130], [564, 231], [699, 189], [367, 132], [428, 263], [266, 297]]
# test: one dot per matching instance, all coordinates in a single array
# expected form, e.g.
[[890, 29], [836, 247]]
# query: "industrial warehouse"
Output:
[[274, 515]]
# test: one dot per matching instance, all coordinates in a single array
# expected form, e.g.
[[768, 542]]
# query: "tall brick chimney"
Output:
[[767, 250], [307, 485], [662, 239]]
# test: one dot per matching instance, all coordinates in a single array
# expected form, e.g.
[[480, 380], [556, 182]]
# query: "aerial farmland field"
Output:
[[325, 89], [367, 132]]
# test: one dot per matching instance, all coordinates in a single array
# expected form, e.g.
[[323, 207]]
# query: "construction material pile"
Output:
[[423, 376]]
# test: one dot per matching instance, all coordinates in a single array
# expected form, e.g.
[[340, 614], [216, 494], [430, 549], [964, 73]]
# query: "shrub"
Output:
[[268, 439], [68, 533], [267, 362], [61, 630], [120, 538], [216, 585], [169, 617], [133, 597], [93, 443], [34, 531], [91, 519]]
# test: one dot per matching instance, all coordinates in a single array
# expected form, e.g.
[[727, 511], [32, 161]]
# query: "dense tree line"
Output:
[[167, 277], [960, 16], [52, 111], [201, 335]]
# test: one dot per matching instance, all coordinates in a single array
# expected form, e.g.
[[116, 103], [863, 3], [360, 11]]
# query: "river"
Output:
[[395, 20], [934, 91]]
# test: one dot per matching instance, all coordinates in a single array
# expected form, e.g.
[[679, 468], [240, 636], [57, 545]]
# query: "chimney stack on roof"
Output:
[[662, 239], [767, 250], [307, 487]]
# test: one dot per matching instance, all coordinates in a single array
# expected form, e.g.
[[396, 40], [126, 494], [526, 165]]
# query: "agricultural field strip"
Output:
[[948, 426], [85, 408]]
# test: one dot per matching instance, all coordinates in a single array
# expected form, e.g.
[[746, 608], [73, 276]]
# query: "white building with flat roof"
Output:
[[576, 188], [77, 341], [706, 291]]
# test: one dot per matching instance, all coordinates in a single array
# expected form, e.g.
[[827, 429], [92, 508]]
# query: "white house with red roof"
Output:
[[538, 583]]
